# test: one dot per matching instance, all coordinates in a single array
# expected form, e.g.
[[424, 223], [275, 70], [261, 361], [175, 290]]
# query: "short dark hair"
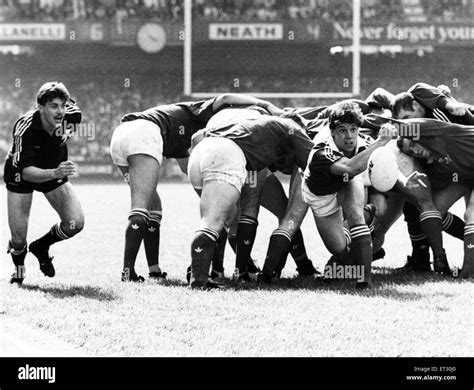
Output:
[[402, 101], [50, 91], [345, 112]]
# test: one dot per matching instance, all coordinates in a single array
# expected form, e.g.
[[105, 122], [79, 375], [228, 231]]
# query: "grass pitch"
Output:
[[86, 305]]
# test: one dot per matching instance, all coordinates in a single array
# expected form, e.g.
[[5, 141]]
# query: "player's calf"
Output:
[[18, 257]]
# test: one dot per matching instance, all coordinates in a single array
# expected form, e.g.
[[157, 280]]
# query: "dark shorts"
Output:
[[26, 187]]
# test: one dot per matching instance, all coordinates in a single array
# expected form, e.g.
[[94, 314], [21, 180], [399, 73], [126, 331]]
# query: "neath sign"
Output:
[[246, 31], [32, 31]]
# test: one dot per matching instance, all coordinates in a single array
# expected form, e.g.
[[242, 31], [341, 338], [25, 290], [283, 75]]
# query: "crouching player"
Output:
[[332, 187], [38, 161], [218, 168]]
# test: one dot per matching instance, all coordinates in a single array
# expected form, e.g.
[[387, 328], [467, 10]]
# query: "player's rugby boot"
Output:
[[306, 268], [160, 277], [253, 269], [440, 265], [45, 260], [128, 276], [217, 276], [414, 264], [243, 276], [18, 276]]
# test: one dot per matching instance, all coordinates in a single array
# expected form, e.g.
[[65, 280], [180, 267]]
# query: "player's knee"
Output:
[[73, 226], [337, 248], [138, 220]]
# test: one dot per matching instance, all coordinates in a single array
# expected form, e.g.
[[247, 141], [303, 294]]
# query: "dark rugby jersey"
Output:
[[177, 122], [317, 174], [33, 146], [451, 144], [380, 98], [434, 102], [267, 141]]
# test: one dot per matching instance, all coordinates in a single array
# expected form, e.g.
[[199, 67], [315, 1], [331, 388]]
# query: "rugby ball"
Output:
[[382, 169]]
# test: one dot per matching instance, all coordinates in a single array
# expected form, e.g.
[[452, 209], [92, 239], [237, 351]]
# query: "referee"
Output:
[[38, 161]]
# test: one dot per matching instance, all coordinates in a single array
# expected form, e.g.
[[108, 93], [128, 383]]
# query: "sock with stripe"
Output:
[[55, 234], [151, 240], [468, 263], [420, 246], [202, 251], [18, 255], [278, 249], [431, 224], [246, 232], [218, 258], [361, 248], [136, 230], [454, 226]]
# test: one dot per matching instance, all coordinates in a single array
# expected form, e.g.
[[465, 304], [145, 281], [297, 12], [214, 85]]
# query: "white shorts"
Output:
[[136, 137], [321, 205], [216, 158]]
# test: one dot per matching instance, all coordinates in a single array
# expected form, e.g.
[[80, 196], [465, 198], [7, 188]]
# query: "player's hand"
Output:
[[66, 168], [415, 180], [387, 132], [456, 108]]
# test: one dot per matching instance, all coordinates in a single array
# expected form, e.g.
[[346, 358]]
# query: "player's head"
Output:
[[445, 90], [413, 148], [404, 106], [345, 120], [51, 99]]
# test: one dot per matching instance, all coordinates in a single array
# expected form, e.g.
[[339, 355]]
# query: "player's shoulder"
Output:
[[24, 123]]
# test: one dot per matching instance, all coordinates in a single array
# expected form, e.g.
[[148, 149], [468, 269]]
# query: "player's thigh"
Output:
[[66, 203], [218, 202], [273, 197], [445, 198], [144, 172], [19, 206], [331, 230]]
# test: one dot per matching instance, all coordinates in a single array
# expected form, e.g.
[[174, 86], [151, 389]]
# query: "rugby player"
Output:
[[425, 101], [268, 192], [218, 169], [447, 150], [137, 148], [332, 185], [38, 161]]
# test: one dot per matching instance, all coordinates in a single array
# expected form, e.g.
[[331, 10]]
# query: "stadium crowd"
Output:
[[226, 10], [102, 112]]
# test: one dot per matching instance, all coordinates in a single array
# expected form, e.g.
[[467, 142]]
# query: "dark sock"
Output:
[[454, 226], [218, 258], [18, 255], [232, 242], [468, 263], [361, 248], [151, 241], [430, 222], [298, 249], [278, 249], [246, 232], [55, 234], [420, 247], [136, 230], [202, 251]]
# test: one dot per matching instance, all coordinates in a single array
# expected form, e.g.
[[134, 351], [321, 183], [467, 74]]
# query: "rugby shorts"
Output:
[[136, 137], [217, 158]]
